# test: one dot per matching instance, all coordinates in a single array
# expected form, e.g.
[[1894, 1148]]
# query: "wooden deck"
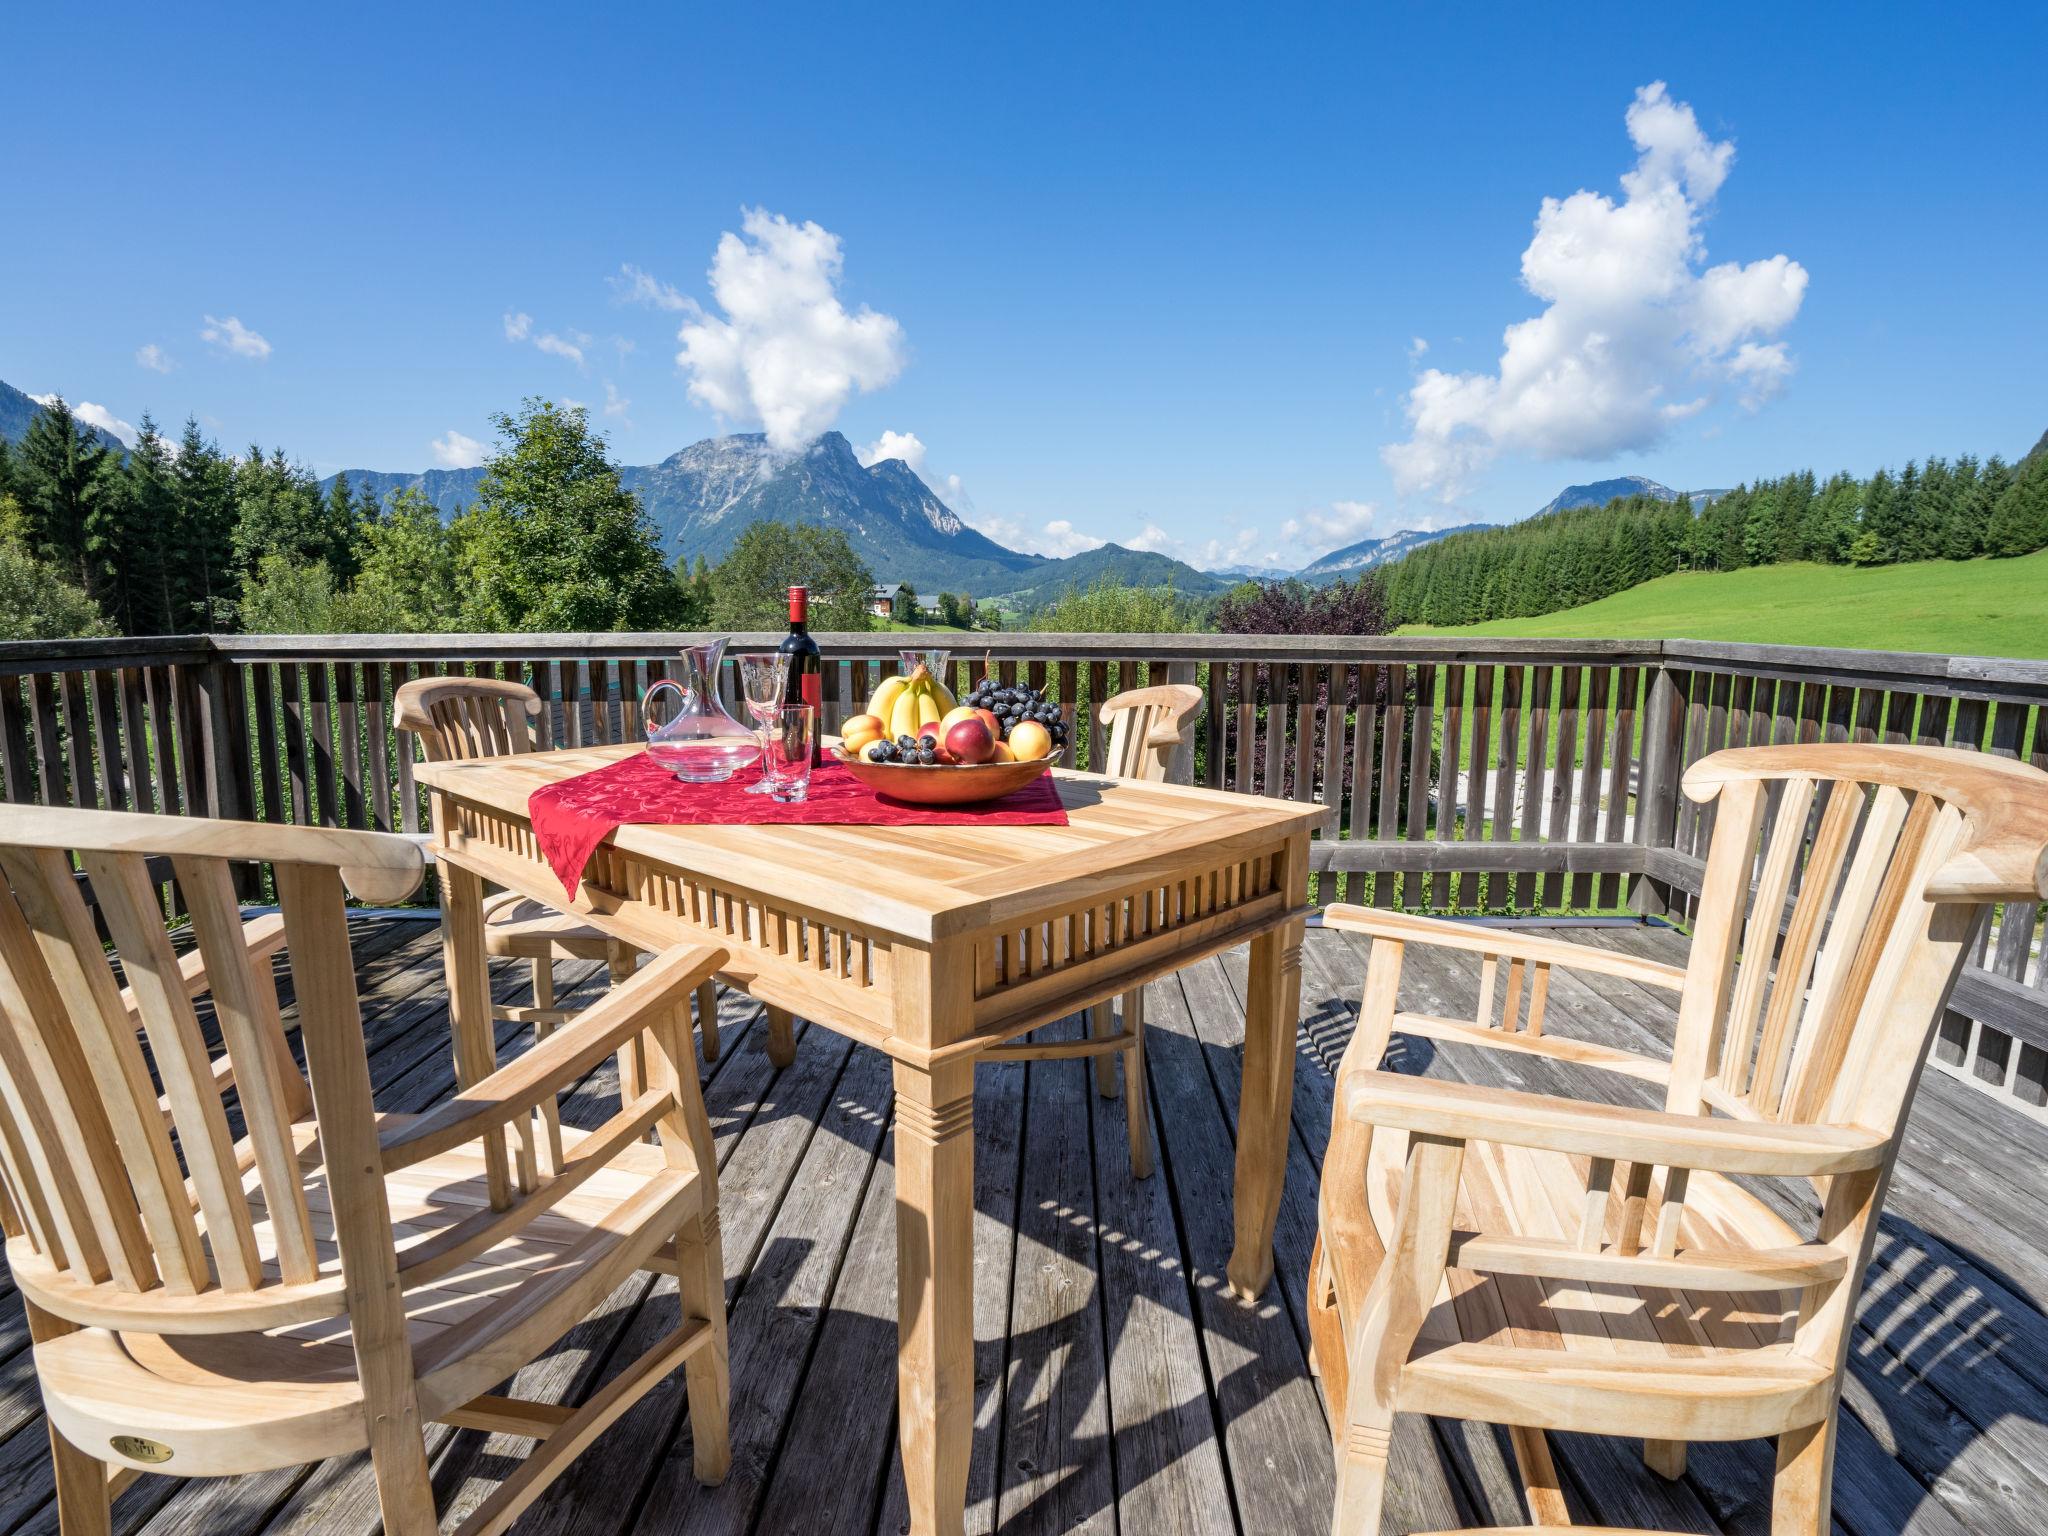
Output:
[[1120, 1389]]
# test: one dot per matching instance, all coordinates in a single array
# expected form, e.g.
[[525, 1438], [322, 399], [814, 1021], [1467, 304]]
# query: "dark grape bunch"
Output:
[[1014, 703], [905, 749]]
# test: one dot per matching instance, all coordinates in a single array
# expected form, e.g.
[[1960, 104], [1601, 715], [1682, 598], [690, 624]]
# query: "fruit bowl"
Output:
[[943, 783]]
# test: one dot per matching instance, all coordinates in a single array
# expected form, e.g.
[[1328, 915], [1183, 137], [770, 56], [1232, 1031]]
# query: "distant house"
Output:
[[881, 601]]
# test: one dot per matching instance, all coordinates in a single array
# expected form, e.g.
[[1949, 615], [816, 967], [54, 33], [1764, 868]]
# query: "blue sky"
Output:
[[1154, 274]]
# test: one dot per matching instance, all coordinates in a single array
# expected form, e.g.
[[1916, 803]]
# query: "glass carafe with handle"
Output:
[[689, 731]]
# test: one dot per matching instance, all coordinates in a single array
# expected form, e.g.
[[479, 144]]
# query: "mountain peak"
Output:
[[1598, 493]]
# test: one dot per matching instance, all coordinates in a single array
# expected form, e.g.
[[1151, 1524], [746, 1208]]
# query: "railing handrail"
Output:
[[1919, 670]]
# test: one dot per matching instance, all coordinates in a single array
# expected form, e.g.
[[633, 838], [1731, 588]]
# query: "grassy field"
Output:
[[1960, 608]]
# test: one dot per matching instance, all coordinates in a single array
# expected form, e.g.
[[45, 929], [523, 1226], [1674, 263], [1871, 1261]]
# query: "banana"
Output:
[[928, 711], [947, 703], [884, 699], [903, 716]]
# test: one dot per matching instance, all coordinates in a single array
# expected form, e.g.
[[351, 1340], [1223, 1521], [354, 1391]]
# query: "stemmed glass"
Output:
[[763, 675]]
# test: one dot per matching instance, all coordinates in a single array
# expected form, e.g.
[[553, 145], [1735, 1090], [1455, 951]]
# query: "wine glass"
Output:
[[763, 676]]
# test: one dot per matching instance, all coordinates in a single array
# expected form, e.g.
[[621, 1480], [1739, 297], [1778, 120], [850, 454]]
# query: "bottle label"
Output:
[[814, 689]]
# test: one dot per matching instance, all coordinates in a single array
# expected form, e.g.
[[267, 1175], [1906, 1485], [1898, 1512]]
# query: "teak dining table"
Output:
[[932, 944]]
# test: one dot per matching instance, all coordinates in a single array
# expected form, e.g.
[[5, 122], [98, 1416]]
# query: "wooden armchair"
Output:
[[336, 1278], [1550, 1263], [1145, 726], [456, 718]]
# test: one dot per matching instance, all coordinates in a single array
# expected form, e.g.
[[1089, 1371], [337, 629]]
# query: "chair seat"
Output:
[[519, 926], [198, 1395], [1500, 1347]]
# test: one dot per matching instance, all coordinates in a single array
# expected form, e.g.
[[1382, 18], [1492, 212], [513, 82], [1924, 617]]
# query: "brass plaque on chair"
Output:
[[135, 1448]]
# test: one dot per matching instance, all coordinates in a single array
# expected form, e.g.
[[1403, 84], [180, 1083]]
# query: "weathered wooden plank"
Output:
[[348, 746], [269, 776], [320, 715], [1392, 726], [1447, 777], [1420, 731]]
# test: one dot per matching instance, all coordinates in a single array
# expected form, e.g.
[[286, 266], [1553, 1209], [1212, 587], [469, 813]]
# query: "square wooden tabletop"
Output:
[[924, 882]]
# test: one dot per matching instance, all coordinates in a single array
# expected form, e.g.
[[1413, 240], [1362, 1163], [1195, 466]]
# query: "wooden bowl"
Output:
[[945, 784]]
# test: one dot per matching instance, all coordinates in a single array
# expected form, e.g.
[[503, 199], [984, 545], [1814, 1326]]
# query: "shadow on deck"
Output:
[[1119, 1388]]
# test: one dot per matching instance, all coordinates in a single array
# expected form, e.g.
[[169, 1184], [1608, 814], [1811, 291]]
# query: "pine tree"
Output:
[[141, 601], [205, 581], [63, 494]]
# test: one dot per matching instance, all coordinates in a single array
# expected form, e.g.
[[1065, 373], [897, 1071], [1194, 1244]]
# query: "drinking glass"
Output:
[[763, 675], [792, 730]]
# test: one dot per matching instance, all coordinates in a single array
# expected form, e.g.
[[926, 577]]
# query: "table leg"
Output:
[[1272, 1014], [935, 1291], [781, 1036], [469, 1003]]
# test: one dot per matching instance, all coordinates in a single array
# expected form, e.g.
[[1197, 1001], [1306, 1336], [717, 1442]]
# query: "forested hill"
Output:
[[17, 410], [1940, 510]]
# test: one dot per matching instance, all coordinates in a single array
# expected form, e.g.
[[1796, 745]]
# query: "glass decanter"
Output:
[[689, 731]]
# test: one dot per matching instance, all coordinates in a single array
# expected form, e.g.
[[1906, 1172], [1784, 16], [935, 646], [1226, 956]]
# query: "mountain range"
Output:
[[702, 497], [1600, 492], [17, 410]]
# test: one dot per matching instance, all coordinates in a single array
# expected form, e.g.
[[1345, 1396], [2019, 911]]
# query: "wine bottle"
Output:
[[806, 681]]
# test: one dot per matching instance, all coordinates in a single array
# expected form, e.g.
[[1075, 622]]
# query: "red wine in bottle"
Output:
[[806, 682]]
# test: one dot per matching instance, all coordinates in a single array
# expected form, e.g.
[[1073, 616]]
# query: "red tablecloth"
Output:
[[572, 817]]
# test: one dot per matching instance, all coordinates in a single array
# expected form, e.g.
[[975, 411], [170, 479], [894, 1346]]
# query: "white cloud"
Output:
[[154, 358], [1634, 336], [1057, 538], [786, 352], [234, 339], [906, 446], [99, 416], [1154, 538], [566, 344], [452, 450], [1331, 527], [1416, 347], [93, 416], [616, 404], [633, 286], [570, 346]]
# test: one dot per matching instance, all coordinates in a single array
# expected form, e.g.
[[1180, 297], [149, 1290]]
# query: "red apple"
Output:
[[992, 720], [969, 741]]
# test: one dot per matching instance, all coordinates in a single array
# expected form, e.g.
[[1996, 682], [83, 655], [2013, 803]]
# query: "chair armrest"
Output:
[[556, 1062], [1464, 1112], [1514, 943]]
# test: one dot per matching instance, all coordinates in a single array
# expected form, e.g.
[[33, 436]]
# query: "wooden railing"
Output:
[[1510, 777]]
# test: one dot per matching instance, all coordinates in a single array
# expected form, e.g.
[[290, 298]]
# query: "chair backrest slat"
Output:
[[91, 1002], [464, 717], [113, 1189], [1145, 727], [1819, 881], [1825, 1016], [271, 1092], [42, 1076], [1760, 938], [129, 903]]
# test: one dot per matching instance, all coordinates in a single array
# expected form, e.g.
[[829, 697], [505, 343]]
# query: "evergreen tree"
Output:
[[142, 595], [64, 495], [205, 583]]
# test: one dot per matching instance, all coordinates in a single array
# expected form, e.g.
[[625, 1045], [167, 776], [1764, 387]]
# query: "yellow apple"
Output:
[[1030, 741]]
